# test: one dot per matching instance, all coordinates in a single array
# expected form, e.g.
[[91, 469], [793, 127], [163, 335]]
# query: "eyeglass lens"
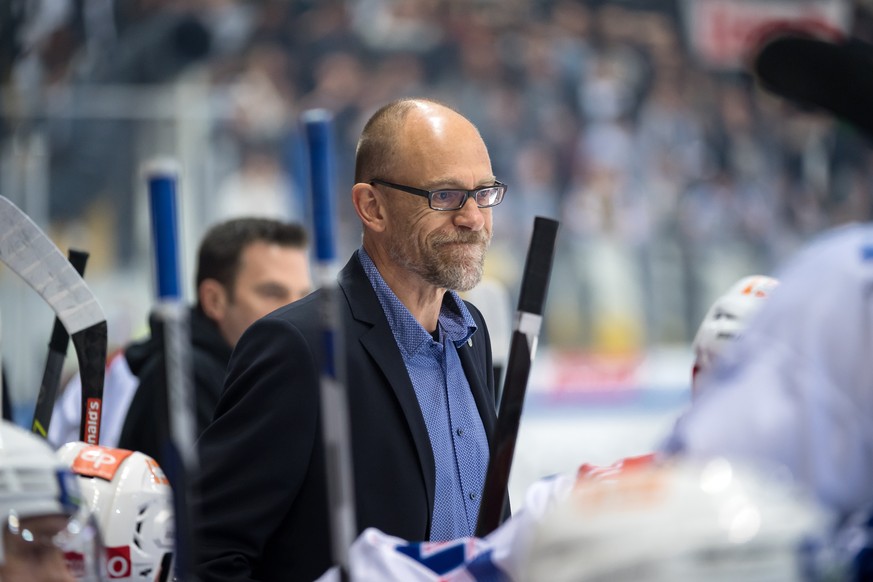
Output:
[[450, 199]]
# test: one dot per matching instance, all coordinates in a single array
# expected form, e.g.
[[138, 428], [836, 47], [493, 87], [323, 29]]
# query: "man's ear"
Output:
[[213, 299], [369, 206]]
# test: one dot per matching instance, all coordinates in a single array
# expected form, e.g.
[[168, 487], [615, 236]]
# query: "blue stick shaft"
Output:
[[164, 215], [176, 410], [318, 125], [333, 394]]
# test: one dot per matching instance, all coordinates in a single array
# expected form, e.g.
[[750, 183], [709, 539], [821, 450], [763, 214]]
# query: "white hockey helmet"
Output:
[[728, 317], [132, 502], [715, 521], [45, 533]]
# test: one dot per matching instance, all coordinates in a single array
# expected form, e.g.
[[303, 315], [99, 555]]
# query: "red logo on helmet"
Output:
[[97, 461], [118, 562]]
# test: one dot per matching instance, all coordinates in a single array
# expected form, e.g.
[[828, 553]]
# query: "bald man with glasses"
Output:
[[420, 376]]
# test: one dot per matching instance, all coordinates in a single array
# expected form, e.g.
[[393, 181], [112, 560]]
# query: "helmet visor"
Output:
[[51, 547]]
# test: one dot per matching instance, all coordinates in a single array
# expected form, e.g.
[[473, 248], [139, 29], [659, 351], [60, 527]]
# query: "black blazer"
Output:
[[262, 507]]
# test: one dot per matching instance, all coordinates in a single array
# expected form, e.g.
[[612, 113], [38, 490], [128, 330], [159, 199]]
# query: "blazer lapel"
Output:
[[378, 340]]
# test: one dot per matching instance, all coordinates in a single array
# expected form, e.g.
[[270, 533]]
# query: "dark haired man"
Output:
[[246, 268]]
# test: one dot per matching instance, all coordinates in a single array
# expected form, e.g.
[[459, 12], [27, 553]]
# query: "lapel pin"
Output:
[[470, 342]]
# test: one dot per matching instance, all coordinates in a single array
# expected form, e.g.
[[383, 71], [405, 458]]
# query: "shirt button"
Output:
[[459, 431], [473, 495]]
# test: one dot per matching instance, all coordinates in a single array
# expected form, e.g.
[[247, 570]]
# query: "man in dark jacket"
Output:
[[246, 268], [418, 363]]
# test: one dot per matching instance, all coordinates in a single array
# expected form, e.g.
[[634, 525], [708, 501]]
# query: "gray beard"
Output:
[[444, 266]]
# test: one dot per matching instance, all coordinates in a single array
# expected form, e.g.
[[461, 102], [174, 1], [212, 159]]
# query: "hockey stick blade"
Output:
[[532, 299], [51, 377], [26, 249]]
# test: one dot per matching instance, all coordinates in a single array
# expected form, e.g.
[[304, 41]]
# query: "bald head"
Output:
[[407, 149], [382, 140]]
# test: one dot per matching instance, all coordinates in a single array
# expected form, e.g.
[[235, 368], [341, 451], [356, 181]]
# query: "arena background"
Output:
[[632, 122]]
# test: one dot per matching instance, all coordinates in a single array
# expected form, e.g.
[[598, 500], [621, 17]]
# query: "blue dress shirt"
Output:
[[457, 436]]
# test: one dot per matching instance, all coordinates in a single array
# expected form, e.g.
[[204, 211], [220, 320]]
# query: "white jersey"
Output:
[[376, 556], [797, 388], [640, 519], [502, 555]]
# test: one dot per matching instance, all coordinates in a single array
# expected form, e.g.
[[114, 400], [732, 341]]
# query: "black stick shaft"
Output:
[[537, 270], [91, 346], [54, 364], [508, 421]]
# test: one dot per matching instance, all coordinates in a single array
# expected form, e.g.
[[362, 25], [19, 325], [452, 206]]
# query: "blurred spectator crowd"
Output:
[[670, 180]]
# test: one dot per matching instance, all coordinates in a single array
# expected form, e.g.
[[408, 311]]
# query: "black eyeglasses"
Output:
[[454, 199]]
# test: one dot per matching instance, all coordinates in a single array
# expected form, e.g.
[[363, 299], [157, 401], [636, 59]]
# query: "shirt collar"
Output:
[[455, 320]]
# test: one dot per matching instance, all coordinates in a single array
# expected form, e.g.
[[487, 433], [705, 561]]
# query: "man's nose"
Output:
[[470, 215]]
